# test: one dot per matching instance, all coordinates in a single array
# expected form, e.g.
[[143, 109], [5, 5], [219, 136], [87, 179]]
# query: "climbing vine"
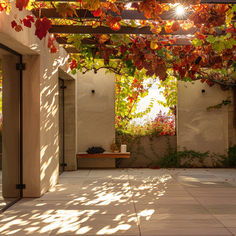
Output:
[[209, 57], [129, 91]]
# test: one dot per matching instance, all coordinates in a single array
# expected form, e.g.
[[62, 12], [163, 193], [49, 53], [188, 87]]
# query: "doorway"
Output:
[[61, 125], [10, 127], [67, 122]]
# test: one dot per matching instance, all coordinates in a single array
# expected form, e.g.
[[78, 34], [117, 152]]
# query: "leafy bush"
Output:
[[161, 125], [231, 160], [185, 158]]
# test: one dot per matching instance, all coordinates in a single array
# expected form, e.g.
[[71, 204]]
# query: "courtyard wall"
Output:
[[202, 129], [40, 105], [95, 115]]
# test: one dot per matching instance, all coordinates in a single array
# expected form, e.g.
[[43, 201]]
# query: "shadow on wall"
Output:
[[49, 121], [99, 207]]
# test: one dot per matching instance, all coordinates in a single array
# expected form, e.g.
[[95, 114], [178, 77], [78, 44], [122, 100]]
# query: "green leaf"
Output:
[[234, 8], [197, 42], [211, 39]]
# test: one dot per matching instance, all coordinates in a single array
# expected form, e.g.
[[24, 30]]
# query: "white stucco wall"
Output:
[[95, 112], [40, 94], [197, 128]]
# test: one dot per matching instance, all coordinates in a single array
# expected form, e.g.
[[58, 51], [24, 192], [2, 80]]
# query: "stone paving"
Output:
[[131, 202]]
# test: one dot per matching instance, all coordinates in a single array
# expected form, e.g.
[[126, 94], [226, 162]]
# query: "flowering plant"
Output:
[[162, 125]]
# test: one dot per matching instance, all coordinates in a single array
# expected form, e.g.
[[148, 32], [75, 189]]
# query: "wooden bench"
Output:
[[81, 155]]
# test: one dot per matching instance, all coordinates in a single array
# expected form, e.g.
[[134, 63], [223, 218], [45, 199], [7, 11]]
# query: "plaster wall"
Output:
[[197, 128], [95, 114], [146, 152], [40, 104]]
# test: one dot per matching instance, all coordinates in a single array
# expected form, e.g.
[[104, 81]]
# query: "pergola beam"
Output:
[[91, 41], [125, 15], [75, 29], [165, 1], [179, 42]]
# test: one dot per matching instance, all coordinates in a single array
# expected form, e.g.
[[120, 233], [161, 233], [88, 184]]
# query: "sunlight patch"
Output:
[[108, 230], [83, 230]]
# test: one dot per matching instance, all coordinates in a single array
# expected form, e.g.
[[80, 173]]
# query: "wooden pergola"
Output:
[[182, 37]]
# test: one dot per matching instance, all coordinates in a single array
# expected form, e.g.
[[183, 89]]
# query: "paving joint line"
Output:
[[134, 205], [203, 206]]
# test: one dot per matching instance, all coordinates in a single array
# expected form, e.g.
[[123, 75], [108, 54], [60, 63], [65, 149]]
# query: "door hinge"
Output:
[[63, 164], [20, 66], [20, 186]]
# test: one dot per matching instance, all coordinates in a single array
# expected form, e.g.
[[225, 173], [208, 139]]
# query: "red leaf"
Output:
[[13, 24], [53, 49], [20, 4], [18, 28], [51, 45], [210, 83], [73, 64], [51, 42], [27, 21], [97, 13], [42, 26]]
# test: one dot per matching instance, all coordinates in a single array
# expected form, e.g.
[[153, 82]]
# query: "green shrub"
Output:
[[231, 160]]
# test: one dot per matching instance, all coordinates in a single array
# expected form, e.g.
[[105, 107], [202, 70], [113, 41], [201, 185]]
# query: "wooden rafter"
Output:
[[75, 29], [125, 15], [166, 1], [91, 41]]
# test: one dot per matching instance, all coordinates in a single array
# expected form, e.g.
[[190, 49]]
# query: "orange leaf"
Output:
[[103, 38], [175, 26], [65, 10], [147, 7], [187, 25], [168, 28]]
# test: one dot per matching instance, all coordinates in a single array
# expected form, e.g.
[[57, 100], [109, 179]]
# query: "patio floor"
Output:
[[135, 202]]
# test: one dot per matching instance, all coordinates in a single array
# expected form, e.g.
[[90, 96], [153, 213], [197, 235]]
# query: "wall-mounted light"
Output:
[[203, 91], [93, 91]]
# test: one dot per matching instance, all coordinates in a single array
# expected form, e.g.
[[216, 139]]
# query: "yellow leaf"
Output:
[[91, 5], [95, 24], [65, 10], [153, 45], [30, 5], [155, 29], [168, 56], [187, 25], [229, 16]]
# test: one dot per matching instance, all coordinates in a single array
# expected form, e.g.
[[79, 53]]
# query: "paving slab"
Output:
[[130, 202]]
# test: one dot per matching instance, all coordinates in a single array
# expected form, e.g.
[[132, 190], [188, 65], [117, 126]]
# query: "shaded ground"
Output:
[[129, 202]]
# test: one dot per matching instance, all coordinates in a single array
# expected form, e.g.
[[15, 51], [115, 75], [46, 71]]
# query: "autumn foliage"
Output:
[[162, 125], [211, 41]]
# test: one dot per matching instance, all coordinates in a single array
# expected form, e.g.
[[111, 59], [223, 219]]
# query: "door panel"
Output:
[[10, 127], [61, 125]]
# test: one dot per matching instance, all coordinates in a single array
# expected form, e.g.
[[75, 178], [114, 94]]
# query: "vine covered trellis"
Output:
[[149, 35]]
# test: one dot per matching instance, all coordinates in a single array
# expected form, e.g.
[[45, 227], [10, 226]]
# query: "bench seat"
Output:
[[103, 155]]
